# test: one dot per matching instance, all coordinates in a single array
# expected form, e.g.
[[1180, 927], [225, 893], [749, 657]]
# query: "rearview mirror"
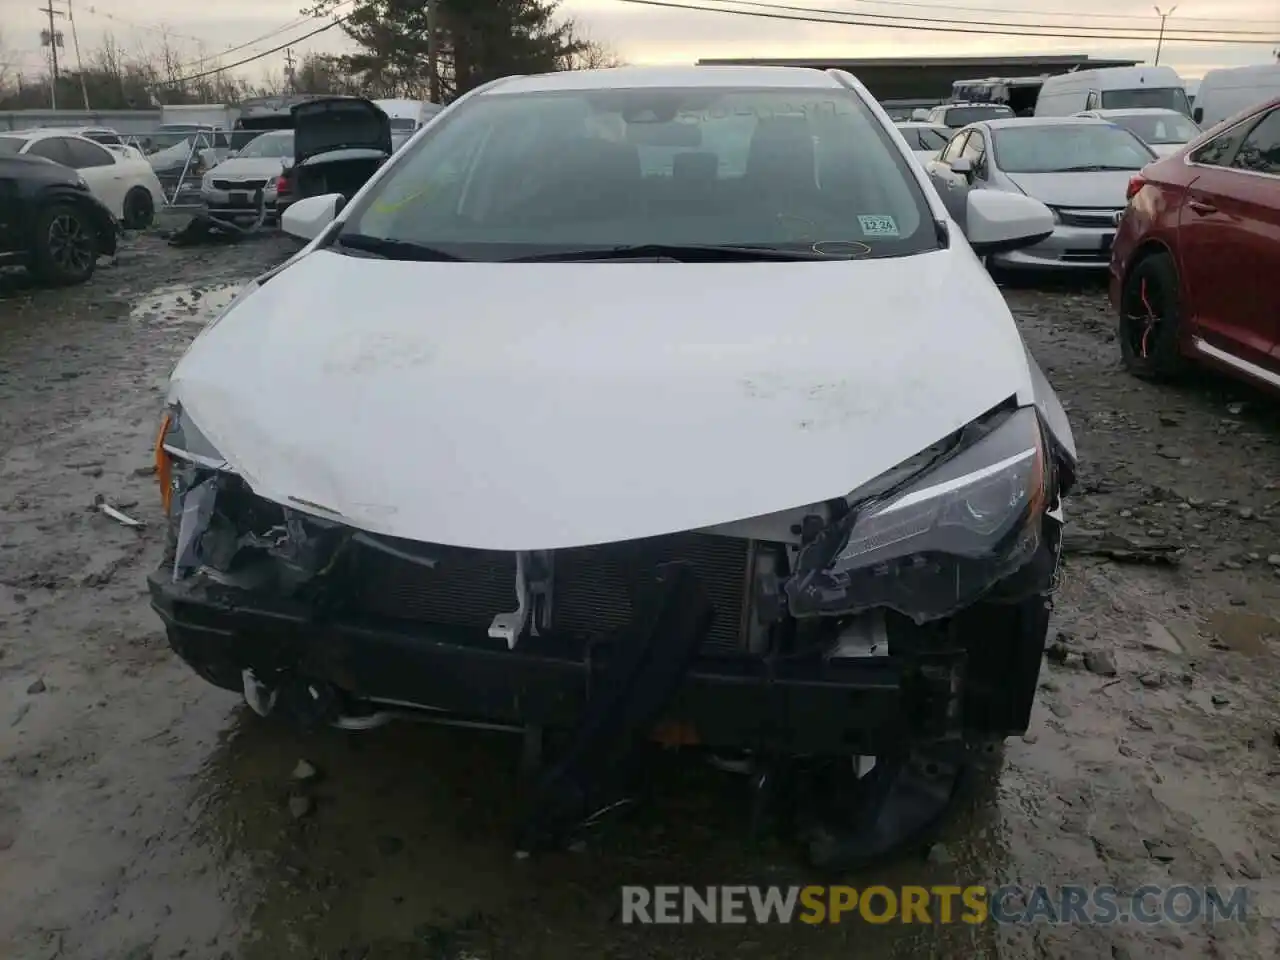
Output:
[[997, 222], [307, 219]]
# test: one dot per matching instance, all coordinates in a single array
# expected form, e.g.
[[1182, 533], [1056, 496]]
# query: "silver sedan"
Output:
[[1077, 166]]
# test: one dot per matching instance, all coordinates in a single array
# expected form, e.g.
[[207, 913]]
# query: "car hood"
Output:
[[1101, 188], [242, 167], [338, 123], [543, 406]]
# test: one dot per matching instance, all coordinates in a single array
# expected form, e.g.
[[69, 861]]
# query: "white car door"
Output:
[[107, 174]]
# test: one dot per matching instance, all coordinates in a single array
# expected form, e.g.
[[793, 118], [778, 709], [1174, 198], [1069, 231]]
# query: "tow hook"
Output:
[[260, 697]]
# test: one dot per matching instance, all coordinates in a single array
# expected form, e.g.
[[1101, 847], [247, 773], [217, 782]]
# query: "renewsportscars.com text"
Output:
[[1068, 904]]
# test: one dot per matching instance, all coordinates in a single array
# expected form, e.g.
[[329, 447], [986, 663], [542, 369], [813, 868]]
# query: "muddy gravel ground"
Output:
[[144, 814]]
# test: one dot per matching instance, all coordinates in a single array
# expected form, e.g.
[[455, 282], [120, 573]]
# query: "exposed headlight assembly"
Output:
[[936, 543]]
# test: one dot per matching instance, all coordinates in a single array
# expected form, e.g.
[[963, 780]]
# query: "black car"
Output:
[[50, 222]]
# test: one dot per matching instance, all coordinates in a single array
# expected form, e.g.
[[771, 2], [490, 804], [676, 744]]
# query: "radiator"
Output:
[[592, 593]]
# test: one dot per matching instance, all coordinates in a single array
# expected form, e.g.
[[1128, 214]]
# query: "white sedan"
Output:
[[125, 183], [689, 365], [1164, 131]]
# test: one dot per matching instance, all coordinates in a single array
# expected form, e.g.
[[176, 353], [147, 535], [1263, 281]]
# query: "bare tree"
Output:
[[592, 56], [8, 68]]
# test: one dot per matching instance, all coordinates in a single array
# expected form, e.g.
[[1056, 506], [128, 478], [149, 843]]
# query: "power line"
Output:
[[161, 29], [937, 27], [908, 21], [178, 81], [206, 58], [965, 8]]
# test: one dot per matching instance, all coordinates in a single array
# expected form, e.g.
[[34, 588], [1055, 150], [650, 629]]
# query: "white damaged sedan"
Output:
[[636, 404]]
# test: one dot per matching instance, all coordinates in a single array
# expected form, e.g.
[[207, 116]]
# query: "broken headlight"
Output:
[[220, 527], [939, 541]]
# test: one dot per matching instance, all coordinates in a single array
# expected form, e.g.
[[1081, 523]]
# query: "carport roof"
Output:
[[925, 78], [1066, 61]]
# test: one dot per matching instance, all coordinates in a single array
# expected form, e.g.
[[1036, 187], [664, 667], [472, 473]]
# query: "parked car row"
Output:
[[331, 145], [123, 181], [1220, 94]]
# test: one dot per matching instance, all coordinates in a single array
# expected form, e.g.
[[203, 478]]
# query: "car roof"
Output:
[[621, 78], [47, 133], [1131, 112], [1001, 123]]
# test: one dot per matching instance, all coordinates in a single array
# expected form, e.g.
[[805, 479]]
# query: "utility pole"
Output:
[[75, 43], [433, 53], [52, 38], [289, 61], [1160, 42]]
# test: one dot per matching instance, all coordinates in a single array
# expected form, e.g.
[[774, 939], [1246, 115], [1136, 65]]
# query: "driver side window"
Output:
[[976, 151], [954, 147]]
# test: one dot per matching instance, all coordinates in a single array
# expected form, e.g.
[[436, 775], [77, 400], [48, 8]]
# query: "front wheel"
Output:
[[65, 245], [1151, 319]]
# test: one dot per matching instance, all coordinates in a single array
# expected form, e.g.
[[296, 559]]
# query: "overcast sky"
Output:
[[645, 34]]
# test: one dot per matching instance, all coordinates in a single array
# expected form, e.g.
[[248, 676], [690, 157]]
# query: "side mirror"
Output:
[[307, 219], [920, 115], [232, 153], [997, 222], [1198, 114], [963, 166]]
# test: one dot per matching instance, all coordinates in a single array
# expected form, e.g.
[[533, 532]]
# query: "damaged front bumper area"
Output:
[[782, 646]]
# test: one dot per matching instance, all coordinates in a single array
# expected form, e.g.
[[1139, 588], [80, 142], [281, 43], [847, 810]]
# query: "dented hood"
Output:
[[540, 406]]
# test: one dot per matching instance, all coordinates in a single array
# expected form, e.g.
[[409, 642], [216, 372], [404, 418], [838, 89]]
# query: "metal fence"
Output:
[[122, 121]]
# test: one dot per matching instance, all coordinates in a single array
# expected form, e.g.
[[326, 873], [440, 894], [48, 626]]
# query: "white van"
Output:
[[1067, 94], [407, 116], [1224, 93]]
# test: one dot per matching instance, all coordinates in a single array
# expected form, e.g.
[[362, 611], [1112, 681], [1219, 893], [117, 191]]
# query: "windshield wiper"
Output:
[[696, 253], [392, 249]]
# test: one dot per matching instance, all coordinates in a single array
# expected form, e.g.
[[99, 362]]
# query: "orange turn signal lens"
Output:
[[164, 466]]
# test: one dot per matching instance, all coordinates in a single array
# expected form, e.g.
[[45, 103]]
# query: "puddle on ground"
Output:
[[183, 304], [1244, 632]]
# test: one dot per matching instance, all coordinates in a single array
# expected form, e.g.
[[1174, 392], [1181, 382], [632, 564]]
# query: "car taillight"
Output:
[[1136, 183], [282, 184]]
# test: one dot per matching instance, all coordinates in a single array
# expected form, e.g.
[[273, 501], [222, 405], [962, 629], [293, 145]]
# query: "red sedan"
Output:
[[1195, 269]]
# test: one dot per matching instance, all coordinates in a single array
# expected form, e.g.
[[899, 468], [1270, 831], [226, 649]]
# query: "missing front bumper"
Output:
[[807, 705]]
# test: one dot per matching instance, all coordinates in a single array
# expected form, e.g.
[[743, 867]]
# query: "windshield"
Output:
[[1168, 98], [1159, 127], [10, 144], [963, 116], [269, 145], [510, 175], [1065, 147]]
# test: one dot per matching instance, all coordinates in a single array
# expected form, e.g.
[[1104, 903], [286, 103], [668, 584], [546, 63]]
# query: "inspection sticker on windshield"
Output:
[[878, 226]]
